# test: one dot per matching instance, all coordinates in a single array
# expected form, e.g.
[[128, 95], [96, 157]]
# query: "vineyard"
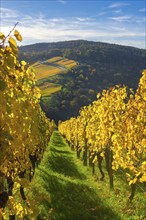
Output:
[[45, 70], [113, 128], [24, 129], [109, 133]]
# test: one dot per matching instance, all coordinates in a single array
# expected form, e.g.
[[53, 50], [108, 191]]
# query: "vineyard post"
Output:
[[91, 163], [133, 189], [109, 160], [100, 159]]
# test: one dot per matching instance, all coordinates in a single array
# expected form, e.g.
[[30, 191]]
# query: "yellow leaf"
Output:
[[102, 154], [23, 63], [17, 35], [98, 95], [13, 44], [144, 96], [2, 36], [132, 181], [11, 60], [94, 160]]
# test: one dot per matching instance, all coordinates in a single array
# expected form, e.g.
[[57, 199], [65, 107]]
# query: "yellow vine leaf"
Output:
[[98, 95], [13, 44], [94, 160], [132, 181], [18, 92], [2, 36], [17, 35], [23, 63], [11, 60]]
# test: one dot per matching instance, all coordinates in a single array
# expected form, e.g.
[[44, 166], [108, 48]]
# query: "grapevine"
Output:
[[113, 128], [24, 128]]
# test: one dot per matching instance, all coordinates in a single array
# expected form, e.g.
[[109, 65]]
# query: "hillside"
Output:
[[113, 127], [100, 66], [46, 69]]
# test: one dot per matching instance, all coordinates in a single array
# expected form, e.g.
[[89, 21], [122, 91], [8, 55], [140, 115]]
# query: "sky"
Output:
[[120, 22]]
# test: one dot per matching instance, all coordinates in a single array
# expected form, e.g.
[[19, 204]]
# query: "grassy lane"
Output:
[[63, 189]]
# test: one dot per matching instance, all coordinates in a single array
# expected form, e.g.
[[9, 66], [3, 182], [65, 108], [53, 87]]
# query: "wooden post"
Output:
[[100, 159], [109, 160], [133, 189], [85, 156]]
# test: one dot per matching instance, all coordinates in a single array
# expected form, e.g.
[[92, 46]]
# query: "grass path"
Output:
[[65, 189]]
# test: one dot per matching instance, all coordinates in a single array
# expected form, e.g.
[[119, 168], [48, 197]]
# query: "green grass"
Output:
[[65, 190]]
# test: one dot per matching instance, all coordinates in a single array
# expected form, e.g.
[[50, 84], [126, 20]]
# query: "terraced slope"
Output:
[[48, 68]]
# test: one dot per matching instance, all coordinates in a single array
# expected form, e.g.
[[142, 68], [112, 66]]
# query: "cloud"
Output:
[[117, 11], [62, 2], [8, 13], [56, 20], [99, 14], [142, 10], [118, 4], [121, 18], [83, 19], [39, 28]]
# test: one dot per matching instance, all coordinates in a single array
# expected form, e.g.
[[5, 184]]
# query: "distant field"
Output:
[[67, 63], [48, 68], [45, 73], [55, 59], [49, 88], [44, 70], [53, 66]]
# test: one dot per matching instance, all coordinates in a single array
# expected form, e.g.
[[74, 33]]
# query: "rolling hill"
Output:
[[99, 66]]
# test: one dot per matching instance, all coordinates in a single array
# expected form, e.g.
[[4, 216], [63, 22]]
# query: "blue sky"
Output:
[[121, 22]]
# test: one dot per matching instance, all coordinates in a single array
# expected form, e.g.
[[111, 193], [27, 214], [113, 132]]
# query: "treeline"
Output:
[[87, 52], [112, 128]]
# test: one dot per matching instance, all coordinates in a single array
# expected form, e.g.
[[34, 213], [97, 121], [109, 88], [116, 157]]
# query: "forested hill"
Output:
[[80, 49], [100, 66]]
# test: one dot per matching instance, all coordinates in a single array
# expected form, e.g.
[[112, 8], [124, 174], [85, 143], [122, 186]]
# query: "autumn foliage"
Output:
[[113, 128], [24, 129]]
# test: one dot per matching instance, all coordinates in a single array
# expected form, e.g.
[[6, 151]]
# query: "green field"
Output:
[[51, 67], [64, 189]]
